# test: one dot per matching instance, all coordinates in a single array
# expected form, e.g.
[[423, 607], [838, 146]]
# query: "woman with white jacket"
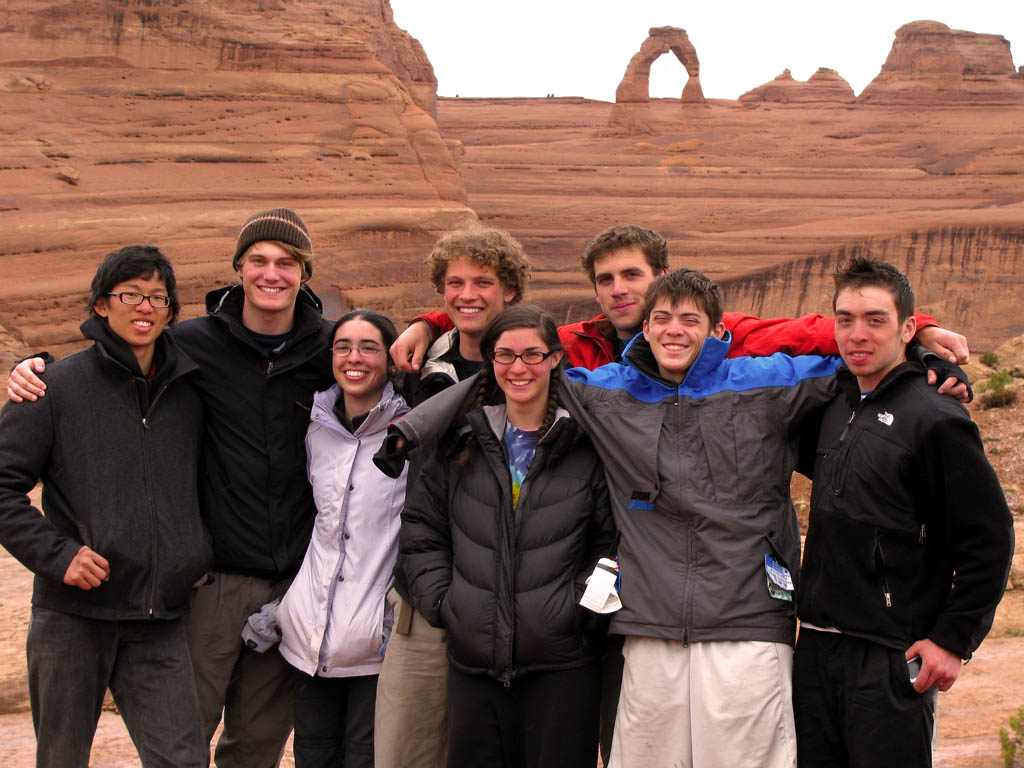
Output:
[[334, 619]]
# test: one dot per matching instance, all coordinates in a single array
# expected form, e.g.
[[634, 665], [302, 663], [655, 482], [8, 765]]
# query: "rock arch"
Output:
[[635, 85]]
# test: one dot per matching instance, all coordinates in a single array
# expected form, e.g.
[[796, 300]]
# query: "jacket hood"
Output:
[[167, 357]]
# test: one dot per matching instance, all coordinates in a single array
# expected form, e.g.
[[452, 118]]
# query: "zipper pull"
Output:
[[270, 366], [846, 429], [888, 599], [920, 538]]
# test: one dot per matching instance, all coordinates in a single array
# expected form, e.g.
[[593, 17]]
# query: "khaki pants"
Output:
[[720, 704], [411, 722], [253, 690]]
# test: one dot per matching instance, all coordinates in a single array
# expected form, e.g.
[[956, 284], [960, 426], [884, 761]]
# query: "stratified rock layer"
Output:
[[823, 86], [929, 63], [170, 121]]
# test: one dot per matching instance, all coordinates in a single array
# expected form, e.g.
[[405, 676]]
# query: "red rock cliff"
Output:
[[929, 63]]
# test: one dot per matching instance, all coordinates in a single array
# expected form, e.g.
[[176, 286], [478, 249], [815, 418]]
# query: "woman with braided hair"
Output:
[[507, 520]]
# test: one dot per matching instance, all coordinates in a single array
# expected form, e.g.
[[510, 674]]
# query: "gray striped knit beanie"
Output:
[[281, 224]]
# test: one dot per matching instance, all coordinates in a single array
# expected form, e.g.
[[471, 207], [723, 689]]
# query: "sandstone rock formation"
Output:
[[632, 96], [169, 121], [929, 63], [634, 87], [970, 276], [825, 85]]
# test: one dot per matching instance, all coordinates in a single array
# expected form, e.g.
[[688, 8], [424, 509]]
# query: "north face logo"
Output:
[[641, 500], [886, 418]]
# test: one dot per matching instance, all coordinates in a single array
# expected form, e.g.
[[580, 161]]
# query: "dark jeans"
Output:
[[334, 721], [542, 720], [855, 705], [73, 660]]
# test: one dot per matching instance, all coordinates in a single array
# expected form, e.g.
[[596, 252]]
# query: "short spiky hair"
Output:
[[651, 243], [131, 262], [485, 248], [860, 272], [685, 284]]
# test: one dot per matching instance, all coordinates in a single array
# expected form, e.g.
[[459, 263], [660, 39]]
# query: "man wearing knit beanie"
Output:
[[265, 349], [262, 350], [281, 225]]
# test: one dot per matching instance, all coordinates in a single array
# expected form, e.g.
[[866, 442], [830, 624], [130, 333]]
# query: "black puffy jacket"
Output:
[[505, 583], [254, 493]]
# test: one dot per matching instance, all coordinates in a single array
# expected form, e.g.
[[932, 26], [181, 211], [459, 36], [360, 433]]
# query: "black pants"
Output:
[[611, 684], [542, 720], [855, 706], [71, 662], [334, 721]]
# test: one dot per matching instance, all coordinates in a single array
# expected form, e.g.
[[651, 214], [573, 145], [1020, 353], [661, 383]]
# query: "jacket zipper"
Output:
[[510, 527], [883, 571], [151, 599]]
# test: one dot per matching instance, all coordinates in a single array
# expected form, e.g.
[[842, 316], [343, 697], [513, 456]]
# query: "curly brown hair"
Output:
[[486, 248]]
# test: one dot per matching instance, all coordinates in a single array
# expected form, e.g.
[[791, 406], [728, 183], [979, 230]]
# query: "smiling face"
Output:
[[676, 333], [140, 325], [271, 278], [621, 278], [871, 338], [473, 296], [363, 373], [525, 386]]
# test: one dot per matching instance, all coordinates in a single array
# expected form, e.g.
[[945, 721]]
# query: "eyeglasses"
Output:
[[366, 350], [530, 356], [133, 299]]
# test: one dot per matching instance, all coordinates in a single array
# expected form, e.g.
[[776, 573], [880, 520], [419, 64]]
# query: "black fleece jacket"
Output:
[[118, 458], [254, 492], [910, 536]]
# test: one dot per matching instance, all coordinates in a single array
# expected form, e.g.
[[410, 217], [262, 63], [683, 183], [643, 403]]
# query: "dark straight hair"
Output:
[[130, 262]]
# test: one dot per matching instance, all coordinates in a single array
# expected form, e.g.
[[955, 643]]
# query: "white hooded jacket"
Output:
[[332, 618]]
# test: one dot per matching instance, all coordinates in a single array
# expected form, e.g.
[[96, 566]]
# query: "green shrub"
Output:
[[998, 398], [1011, 741], [991, 359], [999, 380]]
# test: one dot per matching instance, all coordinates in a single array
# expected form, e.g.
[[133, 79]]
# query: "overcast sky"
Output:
[[581, 47]]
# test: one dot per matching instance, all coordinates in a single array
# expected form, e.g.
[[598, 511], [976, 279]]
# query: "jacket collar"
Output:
[[168, 358], [226, 303], [639, 356], [391, 406], [851, 388]]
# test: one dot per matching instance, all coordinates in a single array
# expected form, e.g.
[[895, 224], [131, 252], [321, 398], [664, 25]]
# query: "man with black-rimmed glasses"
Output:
[[116, 444]]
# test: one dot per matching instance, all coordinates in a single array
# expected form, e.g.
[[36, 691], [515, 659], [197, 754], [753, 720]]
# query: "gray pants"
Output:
[[73, 660], [252, 690]]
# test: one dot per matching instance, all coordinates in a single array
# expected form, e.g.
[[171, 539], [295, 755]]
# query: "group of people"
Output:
[[245, 524]]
